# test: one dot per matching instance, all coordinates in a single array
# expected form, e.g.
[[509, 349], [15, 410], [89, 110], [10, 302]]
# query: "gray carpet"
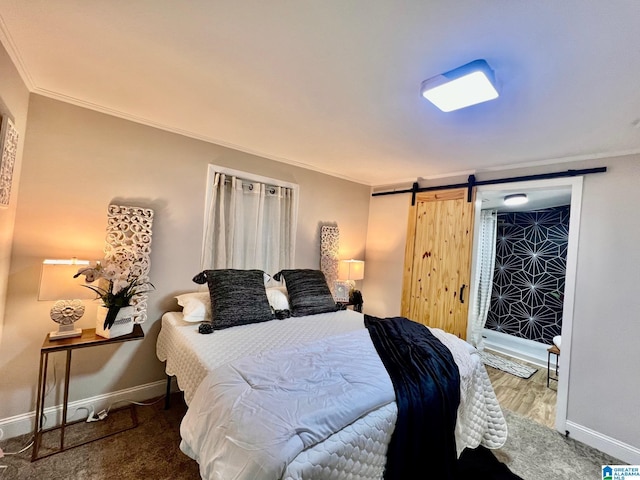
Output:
[[536, 452], [151, 451]]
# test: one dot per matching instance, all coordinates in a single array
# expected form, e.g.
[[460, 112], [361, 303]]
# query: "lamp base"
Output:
[[65, 313], [65, 332]]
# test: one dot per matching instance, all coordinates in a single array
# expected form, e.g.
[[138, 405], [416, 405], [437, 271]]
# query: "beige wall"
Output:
[[603, 387], [14, 103], [76, 162], [386, 237]]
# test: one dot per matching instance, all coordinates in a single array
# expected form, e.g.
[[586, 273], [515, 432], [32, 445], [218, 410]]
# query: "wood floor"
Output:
[[528, 397]]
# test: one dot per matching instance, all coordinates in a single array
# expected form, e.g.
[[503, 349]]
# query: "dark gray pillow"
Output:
[[238, 297], [308, 292]]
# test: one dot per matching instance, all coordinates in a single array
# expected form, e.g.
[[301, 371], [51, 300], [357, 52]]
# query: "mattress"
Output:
[[359, 450]]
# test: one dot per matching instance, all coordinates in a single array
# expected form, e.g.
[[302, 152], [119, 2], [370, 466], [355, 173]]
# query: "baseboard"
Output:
[[608, 445], [516, 347], [24, 423]]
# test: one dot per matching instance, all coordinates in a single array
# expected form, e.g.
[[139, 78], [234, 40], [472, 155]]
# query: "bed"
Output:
[[344, 421]]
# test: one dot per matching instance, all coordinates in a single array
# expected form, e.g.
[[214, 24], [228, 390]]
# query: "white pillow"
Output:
[[278, 298], [196, 306]]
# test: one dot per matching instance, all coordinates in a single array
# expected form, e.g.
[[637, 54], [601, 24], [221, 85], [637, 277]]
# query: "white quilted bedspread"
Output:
[[358, 450]]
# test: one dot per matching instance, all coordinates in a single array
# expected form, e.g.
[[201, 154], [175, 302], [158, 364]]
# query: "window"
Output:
[[250, 221]]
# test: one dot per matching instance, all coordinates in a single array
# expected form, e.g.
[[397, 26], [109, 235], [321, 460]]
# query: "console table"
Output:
[[86, 340]]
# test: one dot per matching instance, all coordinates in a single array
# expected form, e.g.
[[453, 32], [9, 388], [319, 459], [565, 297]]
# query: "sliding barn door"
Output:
[[437, 265]]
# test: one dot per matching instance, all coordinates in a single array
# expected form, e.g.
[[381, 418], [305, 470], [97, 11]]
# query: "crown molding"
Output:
[[10, 47]]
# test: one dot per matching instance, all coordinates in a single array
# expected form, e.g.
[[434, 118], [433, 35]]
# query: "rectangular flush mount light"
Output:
[[461, 87]]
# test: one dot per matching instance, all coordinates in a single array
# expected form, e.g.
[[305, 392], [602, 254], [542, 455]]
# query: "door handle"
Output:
[[462, 293]]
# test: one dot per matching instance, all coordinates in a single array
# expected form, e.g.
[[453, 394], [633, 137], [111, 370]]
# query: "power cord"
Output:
[[103, 413], [3, 468], [23, 449], [55, 380], [47, 391], [92, 416]]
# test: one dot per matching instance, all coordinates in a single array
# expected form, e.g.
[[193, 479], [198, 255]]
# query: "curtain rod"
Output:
[[271, 189], [472, 182]]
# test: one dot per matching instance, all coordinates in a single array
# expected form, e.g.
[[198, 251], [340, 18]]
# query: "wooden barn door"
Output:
[[437, 265]]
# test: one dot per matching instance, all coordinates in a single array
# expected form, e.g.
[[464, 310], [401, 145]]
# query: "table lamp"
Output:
[[350, 271], [57, 283]]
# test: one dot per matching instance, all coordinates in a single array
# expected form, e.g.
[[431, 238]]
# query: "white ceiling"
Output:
[[537, 198], [334, 84]]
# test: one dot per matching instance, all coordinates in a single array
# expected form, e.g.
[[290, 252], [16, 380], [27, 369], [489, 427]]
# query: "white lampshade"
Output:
[[351, 270], [57, 282]]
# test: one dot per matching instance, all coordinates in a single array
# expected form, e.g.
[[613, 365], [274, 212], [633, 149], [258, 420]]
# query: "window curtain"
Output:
[[483, 281], [249, 225]]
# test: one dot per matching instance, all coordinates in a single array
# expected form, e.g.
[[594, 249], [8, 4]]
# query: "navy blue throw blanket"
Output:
[[427, 387]]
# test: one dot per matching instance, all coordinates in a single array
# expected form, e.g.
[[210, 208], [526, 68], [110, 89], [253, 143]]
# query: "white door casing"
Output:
[[575, 184]]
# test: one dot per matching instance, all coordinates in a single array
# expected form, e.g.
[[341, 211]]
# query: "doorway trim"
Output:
[[575, 183]]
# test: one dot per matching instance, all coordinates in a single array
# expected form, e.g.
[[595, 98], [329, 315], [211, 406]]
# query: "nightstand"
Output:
[[87, 339], [344, 305]]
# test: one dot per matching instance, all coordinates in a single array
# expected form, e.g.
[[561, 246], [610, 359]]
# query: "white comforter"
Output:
[[266, 409], [241, 426]]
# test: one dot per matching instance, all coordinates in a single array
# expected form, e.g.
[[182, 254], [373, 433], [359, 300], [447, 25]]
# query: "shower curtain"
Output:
[[483, 281]]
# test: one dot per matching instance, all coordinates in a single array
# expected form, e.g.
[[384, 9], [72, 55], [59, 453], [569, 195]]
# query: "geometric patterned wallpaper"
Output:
[[530, 269]]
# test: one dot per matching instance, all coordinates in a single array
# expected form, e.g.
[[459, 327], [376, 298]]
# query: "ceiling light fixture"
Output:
[[516, 199], [461, 87]]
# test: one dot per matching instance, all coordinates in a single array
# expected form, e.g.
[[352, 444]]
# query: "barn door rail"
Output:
[[472, 182]]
